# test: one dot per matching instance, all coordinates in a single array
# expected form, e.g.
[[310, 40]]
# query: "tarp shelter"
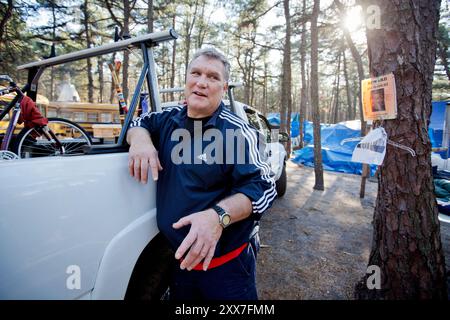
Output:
[[438, 130], [274, 119], [335, 156]]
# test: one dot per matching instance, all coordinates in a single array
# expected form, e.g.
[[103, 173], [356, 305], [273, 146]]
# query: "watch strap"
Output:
[[224, 217], [220, 211]]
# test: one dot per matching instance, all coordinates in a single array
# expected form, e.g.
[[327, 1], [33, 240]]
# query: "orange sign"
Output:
[[379, 98]]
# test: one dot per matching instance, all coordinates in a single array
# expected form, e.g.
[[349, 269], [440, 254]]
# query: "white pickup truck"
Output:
[[79, 227]]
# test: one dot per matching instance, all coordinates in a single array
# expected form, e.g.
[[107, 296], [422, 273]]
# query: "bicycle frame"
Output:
[[148, 72], [15, 105]]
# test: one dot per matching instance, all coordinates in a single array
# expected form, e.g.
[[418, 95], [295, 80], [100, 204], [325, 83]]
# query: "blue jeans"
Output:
[[234, 280]]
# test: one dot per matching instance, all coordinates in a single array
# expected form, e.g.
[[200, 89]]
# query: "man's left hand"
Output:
[[201, 240]]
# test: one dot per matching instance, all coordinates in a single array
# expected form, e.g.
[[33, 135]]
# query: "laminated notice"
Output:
[[372, 148], [379, 98]]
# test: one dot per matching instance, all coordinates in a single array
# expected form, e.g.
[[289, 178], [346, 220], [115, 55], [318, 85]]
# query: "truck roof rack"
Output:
[[169, 90], [150, 39], [148, 73]]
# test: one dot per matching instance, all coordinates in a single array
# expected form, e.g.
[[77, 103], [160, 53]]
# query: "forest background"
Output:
[[267, 42]]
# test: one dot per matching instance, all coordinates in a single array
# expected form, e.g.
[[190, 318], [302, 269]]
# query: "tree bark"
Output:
[[52, 70], [318, 169], [126, 54], [360, 68], [86, 24], [150, 16], [355, 90], [442, 50], [189, 26], [173, 66], [406, 243], [286, 97], [359, 64], [5, 18], [112, 92], [350, 115], [304, 86], [100, 62], [124, 24], [265, 84], [336, 102]]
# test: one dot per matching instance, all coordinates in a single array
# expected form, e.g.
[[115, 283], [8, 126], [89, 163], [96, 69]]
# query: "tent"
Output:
[[336, 156], [438, 128], [274, 119]]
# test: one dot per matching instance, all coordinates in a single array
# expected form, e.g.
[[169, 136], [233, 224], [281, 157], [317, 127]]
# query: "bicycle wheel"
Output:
[[32, 143]]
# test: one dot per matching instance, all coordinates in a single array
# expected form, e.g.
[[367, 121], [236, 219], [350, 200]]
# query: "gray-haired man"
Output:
[[209, 212]]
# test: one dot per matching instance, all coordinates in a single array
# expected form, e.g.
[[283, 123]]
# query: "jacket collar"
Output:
[[180, 117]]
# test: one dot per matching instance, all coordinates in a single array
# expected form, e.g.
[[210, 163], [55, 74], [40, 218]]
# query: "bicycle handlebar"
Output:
[[12, 88]]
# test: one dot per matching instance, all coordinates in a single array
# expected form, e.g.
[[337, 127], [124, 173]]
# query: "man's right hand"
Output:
[[142, 155]]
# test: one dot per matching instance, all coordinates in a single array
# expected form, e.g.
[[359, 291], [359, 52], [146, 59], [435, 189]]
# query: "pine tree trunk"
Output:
[[265, 107], [355, 90], [126, 54], [336, 104], [442, 53], [360, 69], [303, 94], [173, 66], [350, 115], [150, 18], [189, 26], [52, 70], [406, 241], [112, 92], [6, 16], [318, 169], [90, 86], [286, 98], [100, 78], [359, 64]]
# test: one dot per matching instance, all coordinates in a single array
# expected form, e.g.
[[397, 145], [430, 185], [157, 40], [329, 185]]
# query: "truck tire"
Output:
[[281, 183], [151, 275]]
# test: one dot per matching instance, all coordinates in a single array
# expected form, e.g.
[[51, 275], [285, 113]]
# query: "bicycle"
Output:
[[41, 137]]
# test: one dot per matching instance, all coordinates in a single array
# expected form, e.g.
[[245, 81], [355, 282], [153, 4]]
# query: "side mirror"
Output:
[[283, 137], [274, 127]]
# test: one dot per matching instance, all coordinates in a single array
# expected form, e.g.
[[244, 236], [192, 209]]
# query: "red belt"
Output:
[[215, 262]]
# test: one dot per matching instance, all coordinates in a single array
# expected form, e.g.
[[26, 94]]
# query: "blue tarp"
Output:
[[335, 157], [437, 125], [274, 119]]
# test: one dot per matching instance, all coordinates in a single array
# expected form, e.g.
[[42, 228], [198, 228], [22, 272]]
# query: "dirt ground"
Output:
[[316, 244]]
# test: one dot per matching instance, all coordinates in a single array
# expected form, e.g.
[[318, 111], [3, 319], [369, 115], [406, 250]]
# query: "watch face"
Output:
[[226, 219]]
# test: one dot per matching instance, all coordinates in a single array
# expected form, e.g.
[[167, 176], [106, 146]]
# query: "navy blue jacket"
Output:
[[198, 182]]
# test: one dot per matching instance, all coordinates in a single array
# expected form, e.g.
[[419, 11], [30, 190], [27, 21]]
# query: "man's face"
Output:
[[378, 98], [205, 86]]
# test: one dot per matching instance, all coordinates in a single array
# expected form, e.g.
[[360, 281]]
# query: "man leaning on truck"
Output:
[[208, 210]]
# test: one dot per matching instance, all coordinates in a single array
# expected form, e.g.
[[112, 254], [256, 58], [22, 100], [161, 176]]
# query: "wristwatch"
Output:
[[224, 217]]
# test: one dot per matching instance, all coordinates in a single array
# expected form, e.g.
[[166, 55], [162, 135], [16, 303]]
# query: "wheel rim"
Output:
[[34, 144]]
